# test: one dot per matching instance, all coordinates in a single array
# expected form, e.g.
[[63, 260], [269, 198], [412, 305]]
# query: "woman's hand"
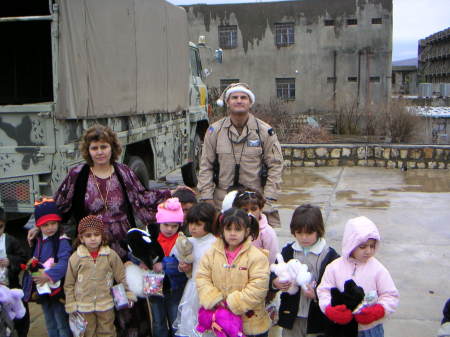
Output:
[[281, 285], [41, 279], [32, 234], [185, 267], [158, 267]]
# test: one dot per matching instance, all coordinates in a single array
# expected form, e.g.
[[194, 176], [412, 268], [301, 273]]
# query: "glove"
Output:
[[339, 314], [370, 314]]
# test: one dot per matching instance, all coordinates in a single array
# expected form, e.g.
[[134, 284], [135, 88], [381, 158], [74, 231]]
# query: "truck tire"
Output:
[[138, 166], [190, 170]]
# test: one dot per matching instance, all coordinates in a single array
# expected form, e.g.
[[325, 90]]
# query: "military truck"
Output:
[[66, 65]]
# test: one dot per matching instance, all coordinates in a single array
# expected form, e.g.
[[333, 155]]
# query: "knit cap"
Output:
[[45, 211], [170, 211], [90, 222]]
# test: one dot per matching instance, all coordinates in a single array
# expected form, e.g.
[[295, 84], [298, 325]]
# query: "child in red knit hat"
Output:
[[92, 270]]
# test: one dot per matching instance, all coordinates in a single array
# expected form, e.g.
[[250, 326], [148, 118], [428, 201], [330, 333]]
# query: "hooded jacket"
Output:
[[243, 284], [267, 238], [370, 275]]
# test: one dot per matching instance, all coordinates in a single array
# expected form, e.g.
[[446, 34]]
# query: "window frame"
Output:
[[284, 34], [227, 36], [285, 93]]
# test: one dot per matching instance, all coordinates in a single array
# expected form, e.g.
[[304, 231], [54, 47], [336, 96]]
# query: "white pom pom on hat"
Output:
[[227, 202]]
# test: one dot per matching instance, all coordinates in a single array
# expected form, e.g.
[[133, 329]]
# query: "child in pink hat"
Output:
[[170, 217]]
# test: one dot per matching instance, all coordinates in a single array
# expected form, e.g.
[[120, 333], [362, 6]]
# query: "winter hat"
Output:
[[227, 202], [446, 312], [235, 87], [170, 211], [91, 222], [45, 211]]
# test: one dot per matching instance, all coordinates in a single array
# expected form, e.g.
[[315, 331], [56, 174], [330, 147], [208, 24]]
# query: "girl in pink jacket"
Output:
[[359, 244], [253, 202]]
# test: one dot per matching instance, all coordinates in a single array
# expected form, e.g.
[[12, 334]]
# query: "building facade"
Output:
[[434, 58], [404, 77], [314, 54]]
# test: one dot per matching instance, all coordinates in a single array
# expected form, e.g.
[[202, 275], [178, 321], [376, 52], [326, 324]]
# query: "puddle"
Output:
[[304, 178], [345, 194]]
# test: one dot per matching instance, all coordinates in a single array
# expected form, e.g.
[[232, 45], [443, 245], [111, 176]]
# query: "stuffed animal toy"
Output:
[[221, 321], [228, 200], [281, 269], [299, 273], [341, 320], [144, 246], [11, 300], [135, 279], [184, 248]]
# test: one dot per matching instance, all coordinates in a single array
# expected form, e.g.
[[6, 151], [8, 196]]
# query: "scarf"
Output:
[[167, 242]]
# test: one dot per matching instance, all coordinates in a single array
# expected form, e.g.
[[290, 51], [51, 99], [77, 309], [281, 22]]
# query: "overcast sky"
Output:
[[413, 20]]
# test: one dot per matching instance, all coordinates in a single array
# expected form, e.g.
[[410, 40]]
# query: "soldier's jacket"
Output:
[[217, 142]]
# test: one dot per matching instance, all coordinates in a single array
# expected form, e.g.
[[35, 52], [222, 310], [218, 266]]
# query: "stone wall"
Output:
[[374, 155]]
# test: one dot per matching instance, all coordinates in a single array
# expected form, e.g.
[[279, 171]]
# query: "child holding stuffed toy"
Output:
[[299, 313], [170, 218], [253, 202], [92, 270], [12, 255], [200, 220], [359, 244], [235, 274], [51, 251]]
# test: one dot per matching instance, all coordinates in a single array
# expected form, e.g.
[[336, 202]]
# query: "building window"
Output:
[[329, 22], [377, 21], [284, 34], [375, 79], [352, 22], [228, 37], [352, 79], [226, 82], [331, 79], [286, 88]]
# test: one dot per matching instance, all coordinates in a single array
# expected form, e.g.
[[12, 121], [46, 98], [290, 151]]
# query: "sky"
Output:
[[413, 20]]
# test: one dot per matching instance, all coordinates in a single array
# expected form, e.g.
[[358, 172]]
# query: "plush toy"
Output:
[[341, 320], [11, 300], [184, 248], [281, 269], [144, 246], [221, 321], [294, 271], [135, 279], [299, 272]]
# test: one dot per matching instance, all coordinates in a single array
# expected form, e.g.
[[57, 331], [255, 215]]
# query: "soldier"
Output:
[[240, 150]]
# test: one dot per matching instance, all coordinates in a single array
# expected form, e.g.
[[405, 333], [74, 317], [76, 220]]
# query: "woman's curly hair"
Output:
[[100, 133]]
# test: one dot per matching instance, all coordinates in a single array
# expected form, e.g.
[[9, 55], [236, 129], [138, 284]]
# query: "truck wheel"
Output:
[[138, 166], [190, 170]]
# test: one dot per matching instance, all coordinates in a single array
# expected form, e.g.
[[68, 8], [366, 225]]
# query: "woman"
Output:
[[104, 187]]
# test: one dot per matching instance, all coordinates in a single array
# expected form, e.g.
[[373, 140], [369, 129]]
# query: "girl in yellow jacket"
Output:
[[234, 273]]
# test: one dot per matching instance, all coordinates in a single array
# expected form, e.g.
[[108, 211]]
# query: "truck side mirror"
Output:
[[218, 55]]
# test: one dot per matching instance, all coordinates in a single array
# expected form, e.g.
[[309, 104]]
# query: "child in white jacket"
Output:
[[359, 244]]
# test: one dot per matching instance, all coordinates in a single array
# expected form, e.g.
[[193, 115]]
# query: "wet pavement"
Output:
[[411, 210]]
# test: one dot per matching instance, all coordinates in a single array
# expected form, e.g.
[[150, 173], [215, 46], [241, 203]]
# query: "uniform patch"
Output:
[[271, 132], [210, 129], [253, 143]]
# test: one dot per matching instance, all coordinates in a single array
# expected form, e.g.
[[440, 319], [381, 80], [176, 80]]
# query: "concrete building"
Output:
[[434, 58], [404, 77], [312, 53]]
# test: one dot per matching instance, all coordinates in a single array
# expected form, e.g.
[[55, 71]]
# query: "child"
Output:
[[444, 330], [92, 270], [164, 309], [360, 241], [234, 273], [253, 202], [12, 255], [52, 249], [186, 196], [300, 314], [200, 220]]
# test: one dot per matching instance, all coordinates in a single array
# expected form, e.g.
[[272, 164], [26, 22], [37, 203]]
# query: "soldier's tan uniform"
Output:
[[217, 142]]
